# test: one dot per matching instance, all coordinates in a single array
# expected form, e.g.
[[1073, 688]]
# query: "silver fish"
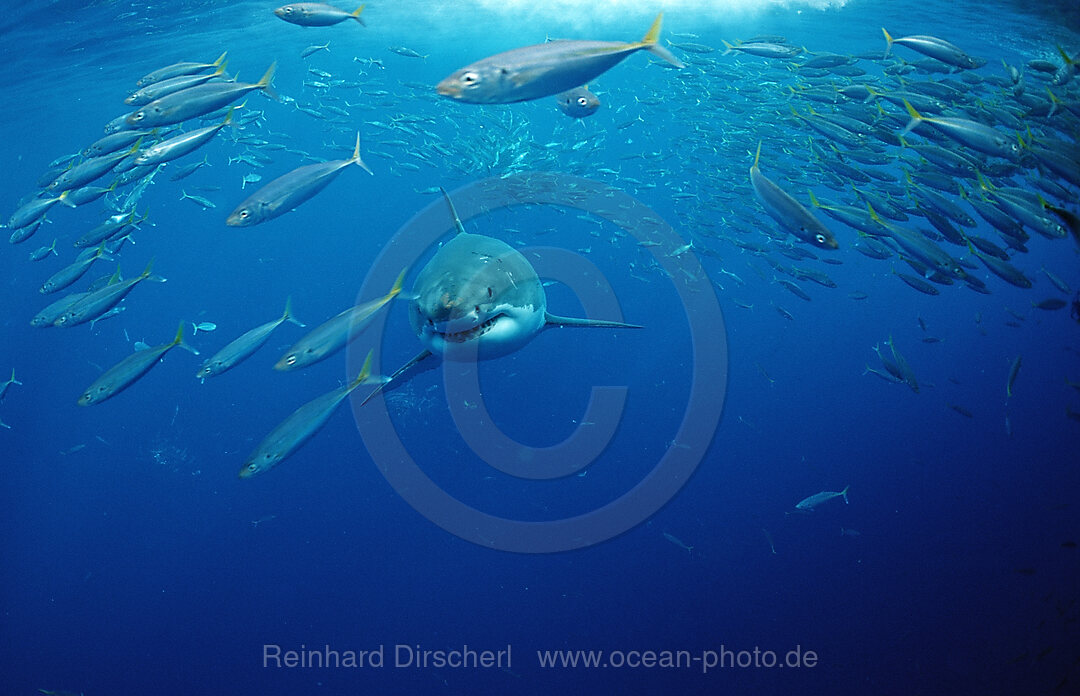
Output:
[[332, 335], [290, 190], [129, 370], [300, 427], [544, 70], [316, 14], [245, 346], [788, 212]]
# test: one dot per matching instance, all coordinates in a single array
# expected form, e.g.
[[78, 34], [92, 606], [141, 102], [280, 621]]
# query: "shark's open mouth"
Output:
[[470, 334]]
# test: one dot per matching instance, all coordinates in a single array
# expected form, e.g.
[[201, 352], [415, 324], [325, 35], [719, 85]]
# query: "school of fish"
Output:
[[890, 155]]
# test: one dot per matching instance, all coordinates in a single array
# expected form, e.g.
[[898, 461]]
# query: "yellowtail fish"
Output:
[[546, 69], [332, 335], [245, 346], [94, 304], [316, 14], [934, 47], [182, 144], [157, 90], [178, 69], [975, 135], [197, 101], [788, 212], [299, 427], [129, 370], [290, 190]]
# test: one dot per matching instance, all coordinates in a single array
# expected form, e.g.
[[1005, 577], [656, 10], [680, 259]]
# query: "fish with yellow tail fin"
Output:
[[245, 346], [198, 101], [936, 48], [976, 135], [332, 335], [290, 190], [788, 212], [129, 370], [317, 14], [300, 426], [544, 70]]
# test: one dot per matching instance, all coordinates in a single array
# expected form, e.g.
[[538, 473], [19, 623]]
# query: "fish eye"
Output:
[[469, 78], [287, 10], [819, 238], [244, 214], [291, 360], [139, 115], [252, 466], [583, 101]]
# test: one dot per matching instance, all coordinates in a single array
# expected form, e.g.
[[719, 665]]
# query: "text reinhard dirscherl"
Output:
[[397, 656]]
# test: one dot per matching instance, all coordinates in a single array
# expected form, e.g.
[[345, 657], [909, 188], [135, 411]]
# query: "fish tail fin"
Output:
[[220, 60], [1065, 56], [844, 494], [179, 340], [266, 82], [355, 14], [653, 35], [728, 48], [53, 248], [888, 42], [365, 372], [813, 199], [288, 315], [221, 67], [355, 159], [650, 42], [1054, 103], [757, 155], [397, 284], [916, 118], [63, 198], [146, 271], [13, 380]]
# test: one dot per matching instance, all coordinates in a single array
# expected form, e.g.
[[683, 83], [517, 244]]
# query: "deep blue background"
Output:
[[133, 565]]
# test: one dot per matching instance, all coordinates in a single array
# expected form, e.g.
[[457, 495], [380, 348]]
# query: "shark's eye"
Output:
[[476, 309], [490, 294]]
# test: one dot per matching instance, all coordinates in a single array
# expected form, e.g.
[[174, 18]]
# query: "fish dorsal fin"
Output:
[[453, 212]]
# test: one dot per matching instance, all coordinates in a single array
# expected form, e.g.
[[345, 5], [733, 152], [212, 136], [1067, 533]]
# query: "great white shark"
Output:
[[478, 298]]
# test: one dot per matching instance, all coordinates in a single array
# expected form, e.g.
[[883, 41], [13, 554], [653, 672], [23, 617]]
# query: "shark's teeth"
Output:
[[470, 334]]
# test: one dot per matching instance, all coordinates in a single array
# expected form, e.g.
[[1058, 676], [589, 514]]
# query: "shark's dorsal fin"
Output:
[[453, 211], [552, 320]]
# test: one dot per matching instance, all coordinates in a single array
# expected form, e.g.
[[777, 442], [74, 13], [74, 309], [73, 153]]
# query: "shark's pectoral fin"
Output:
[[402, 375], [552, 320]]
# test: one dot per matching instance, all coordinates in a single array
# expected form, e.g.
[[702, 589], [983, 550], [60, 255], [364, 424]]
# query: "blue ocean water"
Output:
[[135, 561]]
